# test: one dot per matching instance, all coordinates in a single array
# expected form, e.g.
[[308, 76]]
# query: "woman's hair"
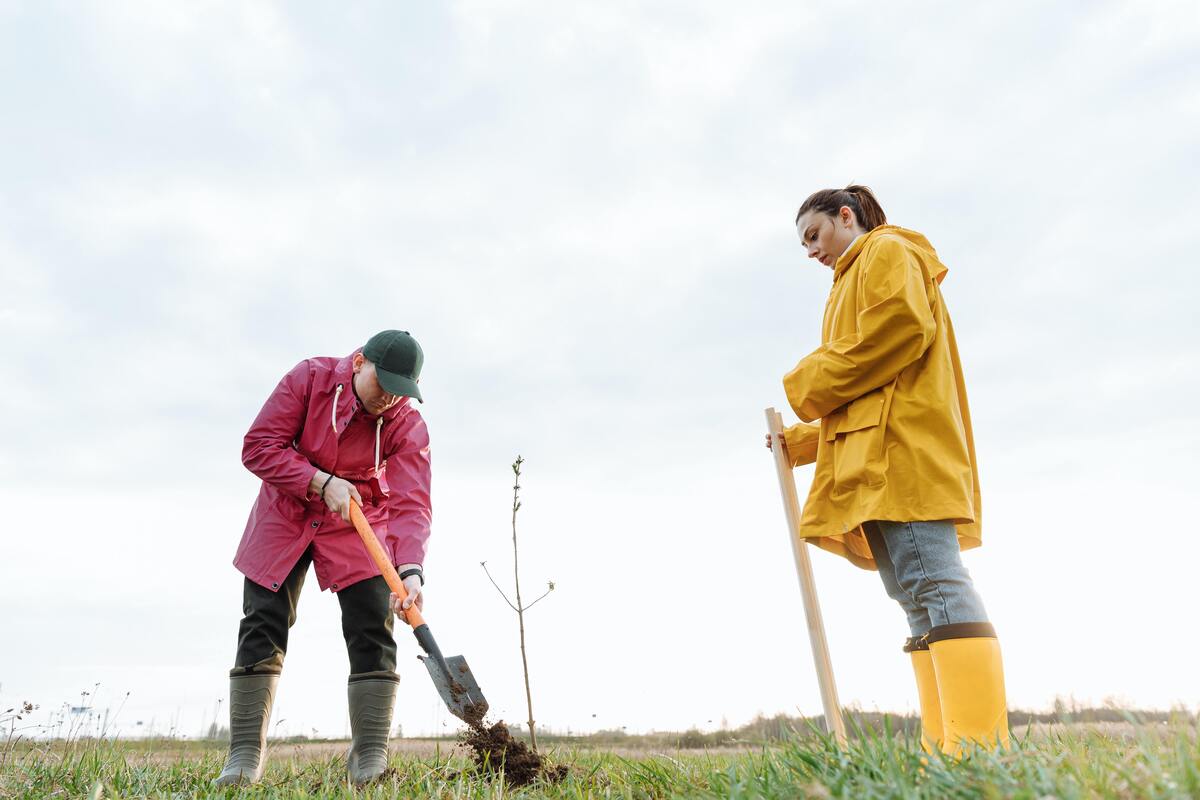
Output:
[[859, 198]]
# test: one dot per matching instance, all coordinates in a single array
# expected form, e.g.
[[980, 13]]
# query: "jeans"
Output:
[[366, 624], [921, 570]]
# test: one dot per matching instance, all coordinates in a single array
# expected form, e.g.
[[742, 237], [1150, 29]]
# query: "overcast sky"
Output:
[[584, 213]]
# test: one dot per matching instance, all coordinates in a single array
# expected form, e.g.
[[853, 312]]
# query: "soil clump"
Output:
[[494, 749]]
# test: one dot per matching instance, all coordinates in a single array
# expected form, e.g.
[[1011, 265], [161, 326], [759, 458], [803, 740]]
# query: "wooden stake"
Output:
[[808, 586]]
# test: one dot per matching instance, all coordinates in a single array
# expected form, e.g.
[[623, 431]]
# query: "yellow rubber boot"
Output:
[[970, 682], [927, 694]]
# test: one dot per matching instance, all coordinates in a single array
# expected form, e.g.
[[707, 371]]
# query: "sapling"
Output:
[[518, 606]]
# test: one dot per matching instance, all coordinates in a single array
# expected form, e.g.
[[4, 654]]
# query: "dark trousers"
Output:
[[366, 624]]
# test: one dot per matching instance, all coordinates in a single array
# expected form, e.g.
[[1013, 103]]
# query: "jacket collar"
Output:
[[847, 258]]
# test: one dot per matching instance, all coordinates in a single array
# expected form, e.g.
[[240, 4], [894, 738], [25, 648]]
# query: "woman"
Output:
[[896, 486]]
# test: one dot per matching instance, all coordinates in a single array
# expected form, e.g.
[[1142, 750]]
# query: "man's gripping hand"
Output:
[[412, 587], [336, 492]]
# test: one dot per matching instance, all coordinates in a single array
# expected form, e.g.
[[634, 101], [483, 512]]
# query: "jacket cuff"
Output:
[[408, 551], [298, 487], [801, 440]]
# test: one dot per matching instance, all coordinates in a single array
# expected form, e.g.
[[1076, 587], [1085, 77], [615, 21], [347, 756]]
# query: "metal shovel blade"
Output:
[[459, 689]]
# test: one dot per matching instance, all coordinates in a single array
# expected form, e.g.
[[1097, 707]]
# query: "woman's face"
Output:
[[825, 237]]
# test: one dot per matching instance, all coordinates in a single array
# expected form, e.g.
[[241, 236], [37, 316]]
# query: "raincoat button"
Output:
[[334, 587], [274, 585], [316, 524]]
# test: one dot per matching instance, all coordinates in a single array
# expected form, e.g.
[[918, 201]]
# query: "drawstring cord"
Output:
[[333, 421], [378, 428], [333, 412]]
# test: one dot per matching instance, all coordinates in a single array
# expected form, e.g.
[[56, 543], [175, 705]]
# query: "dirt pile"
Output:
[[494, 749]]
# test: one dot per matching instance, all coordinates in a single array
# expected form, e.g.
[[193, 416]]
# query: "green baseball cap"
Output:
[[397, 358]]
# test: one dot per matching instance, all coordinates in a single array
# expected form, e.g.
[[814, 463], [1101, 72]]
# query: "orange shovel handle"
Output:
[[413, 615]]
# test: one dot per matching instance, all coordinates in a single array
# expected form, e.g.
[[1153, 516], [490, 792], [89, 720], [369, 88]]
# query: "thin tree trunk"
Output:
[[520, 606]]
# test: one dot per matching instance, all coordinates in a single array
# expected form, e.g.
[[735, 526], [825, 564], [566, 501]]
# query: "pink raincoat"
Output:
[[313, 420]]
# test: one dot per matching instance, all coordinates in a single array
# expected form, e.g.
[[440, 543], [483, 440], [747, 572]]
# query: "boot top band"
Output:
[[961, 630]]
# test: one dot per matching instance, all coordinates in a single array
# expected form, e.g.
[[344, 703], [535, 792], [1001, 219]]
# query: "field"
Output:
[[1133, 759]]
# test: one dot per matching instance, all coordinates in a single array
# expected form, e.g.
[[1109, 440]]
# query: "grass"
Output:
[[1134, 760]]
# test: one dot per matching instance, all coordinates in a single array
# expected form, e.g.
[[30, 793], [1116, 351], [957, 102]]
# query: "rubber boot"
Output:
[[372, 697], [927, 693], [970, 683], [250, 700]]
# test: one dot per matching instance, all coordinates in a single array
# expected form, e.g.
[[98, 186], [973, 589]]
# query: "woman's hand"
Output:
[[782, 443], [412, 586]]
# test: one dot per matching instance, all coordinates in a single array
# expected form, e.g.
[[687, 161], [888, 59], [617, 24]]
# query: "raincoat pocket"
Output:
[[856, 434], [288, 507], [865, 412]]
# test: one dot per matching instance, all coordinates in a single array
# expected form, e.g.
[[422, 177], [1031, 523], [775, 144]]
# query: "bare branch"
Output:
[[498, 589], [535, 602]]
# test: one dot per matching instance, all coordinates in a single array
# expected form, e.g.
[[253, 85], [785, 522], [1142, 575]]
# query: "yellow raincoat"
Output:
[[894, 439]]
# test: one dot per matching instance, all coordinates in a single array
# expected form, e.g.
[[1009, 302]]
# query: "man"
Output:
[[333, 431]]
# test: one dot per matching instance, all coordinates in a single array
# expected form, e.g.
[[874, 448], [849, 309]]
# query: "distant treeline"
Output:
[[763, 730]]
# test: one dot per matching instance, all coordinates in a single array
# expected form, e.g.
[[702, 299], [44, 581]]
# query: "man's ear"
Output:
[[357, 361]]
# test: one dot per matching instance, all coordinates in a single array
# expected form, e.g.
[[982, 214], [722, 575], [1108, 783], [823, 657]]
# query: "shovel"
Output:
[[451, 676]]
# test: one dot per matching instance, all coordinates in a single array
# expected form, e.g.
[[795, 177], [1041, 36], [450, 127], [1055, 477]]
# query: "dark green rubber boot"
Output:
[[372, 698], [250, 699]]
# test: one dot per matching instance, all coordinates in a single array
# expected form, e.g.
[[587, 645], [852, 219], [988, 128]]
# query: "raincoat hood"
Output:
[[918, 241]]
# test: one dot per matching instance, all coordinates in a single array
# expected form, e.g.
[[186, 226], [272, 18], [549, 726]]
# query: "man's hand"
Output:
[[412, 585], [337, 493]]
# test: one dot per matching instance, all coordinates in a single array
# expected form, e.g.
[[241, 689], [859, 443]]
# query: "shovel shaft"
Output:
[[384, 562], [808, 588], [457, 687]]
